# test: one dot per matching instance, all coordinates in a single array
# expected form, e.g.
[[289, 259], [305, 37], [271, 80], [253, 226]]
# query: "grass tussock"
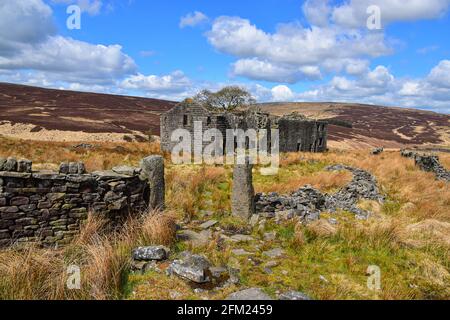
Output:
[[102, 255]]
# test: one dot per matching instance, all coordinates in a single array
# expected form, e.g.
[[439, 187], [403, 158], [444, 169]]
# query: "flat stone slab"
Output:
[[249, 294], [109, 174], [242, 238], [126, 170], [158, 253], [208, 224], [241, 252], [274, 253], [8, 174]]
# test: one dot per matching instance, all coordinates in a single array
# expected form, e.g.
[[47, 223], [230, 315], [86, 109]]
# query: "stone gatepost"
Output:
[[243, 194], [153, 172]]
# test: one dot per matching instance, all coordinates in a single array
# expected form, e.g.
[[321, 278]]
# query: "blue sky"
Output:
[[281, 50]]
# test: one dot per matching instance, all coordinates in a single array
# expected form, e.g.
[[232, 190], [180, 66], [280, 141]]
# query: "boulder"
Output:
[[377, 151], [192, 267], [158, 253]]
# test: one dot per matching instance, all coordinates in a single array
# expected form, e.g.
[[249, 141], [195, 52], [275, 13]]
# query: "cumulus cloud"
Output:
[[193, 19], [379, 86], [24, 22], [92, 7], [265, 70], [175, 82], [354, 14], [440, 75], [297, 52], [32, 45], [74, 59], [282, 93], [317, 12]]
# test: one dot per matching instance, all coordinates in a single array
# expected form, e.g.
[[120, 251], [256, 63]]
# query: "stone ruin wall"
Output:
[[48, 207], [295, 134]]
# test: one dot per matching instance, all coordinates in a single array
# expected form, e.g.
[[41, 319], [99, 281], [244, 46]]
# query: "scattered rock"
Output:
[[254, 220], [150, 253], [274, 253], [270, 236], [208, 224], [377, 151], [192, 267], [294, 295], [240, 252], [249, 294], [218, 272], [271, 264], [241, 238], [83, 146]]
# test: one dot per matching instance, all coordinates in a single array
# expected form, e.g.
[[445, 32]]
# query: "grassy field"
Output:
[[408, 237]]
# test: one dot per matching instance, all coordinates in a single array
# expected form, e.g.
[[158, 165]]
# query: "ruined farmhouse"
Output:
[[296, 133]]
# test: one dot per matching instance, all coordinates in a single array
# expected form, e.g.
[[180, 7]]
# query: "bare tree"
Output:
[[228, 98]]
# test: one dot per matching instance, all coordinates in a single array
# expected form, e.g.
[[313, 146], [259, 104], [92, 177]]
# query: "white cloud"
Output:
[[175, 82], [440, 75], [92, 7], [193, 19], [317, 12], [354, 14], [33, 45], [72, 59], [24, 22], [282, 93], [379, 86], [297, 52], [264, 70]]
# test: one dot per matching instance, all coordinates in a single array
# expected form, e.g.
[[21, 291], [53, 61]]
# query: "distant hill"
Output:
[[25, 108], [47, 114], [373, 125]]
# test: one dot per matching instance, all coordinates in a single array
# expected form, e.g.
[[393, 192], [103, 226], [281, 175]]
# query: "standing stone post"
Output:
[[243, 194], [153, 172]]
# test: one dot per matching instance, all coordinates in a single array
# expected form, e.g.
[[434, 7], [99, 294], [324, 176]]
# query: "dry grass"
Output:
[[103, 257], [322, 228], [187, 185], [105, 155]]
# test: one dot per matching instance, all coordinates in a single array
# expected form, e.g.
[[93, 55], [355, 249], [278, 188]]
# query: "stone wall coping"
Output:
[[53, 175]]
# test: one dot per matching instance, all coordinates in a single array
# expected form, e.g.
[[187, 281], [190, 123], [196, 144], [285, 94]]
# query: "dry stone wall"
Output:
[[48, 207]]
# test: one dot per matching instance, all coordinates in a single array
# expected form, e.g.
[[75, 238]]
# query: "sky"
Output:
[[387, 52]]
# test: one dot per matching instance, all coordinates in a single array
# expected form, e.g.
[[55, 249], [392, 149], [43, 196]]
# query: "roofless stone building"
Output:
[[296, 133]]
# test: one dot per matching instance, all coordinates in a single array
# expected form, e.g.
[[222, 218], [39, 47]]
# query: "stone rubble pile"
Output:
[[200, 273], [307, 202], [429, 163]]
